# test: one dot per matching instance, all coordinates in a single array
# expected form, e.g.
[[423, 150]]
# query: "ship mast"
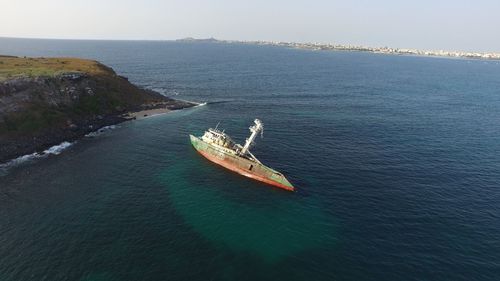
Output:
[[255, 129]]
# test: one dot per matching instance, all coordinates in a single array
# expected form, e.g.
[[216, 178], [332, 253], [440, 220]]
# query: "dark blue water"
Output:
[[396, 160]]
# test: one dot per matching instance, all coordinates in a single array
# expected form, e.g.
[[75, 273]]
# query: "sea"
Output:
[[395, 160]]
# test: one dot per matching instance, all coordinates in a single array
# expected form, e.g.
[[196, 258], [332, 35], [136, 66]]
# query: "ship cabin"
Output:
[[217, 137]]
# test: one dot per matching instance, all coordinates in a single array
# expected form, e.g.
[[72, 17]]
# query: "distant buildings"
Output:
[[382, 50]]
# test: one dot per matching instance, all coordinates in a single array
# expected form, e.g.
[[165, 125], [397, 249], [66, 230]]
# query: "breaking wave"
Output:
[[163, 91], [100, 131], [54, 150]]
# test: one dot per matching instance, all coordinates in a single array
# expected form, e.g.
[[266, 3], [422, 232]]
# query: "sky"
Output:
[[423, 24]]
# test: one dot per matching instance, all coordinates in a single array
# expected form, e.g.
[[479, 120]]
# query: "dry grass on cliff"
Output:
[[12, 67]]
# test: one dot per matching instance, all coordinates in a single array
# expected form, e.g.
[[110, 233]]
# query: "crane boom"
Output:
[[255, 129]]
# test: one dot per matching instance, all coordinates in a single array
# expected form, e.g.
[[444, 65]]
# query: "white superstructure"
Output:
[[255, 129]]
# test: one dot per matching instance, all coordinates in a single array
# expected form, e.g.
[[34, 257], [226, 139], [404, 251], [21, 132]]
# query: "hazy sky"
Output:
[[425, 24]]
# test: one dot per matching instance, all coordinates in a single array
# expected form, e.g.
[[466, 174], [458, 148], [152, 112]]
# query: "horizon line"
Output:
[[187, 38]]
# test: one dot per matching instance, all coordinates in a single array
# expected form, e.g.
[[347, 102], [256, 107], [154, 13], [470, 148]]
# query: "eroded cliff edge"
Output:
[[45, 101]]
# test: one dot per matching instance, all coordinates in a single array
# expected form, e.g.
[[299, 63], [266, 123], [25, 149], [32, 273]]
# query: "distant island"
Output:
[[339, 47], [46, 101]]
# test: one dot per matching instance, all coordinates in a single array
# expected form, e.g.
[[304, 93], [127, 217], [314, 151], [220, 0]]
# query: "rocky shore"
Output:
[[44, 102]]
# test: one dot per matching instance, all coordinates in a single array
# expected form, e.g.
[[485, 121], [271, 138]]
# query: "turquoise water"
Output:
[[395, 159]]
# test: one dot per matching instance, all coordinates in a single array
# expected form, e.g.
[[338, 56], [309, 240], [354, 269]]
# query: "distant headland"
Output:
[[339, 47], [47, 101]]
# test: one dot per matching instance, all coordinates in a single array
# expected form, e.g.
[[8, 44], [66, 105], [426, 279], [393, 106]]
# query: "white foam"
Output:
[[19, 160], [57, 149], [101, 131], [153, 115], [201, 104], [54, 150], [163, 91]]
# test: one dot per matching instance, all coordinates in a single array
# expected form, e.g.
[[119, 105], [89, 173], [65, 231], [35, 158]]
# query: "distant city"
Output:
[[339, 47]]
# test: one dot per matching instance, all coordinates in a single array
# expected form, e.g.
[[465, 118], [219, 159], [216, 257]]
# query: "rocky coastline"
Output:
[[43, 108]]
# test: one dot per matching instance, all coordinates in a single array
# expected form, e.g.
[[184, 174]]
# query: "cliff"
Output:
[[45, 101]]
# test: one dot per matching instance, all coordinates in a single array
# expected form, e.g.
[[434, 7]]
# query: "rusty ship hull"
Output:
[[228, 159]]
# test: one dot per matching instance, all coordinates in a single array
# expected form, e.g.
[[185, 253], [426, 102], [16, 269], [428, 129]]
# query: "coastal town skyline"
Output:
[[316, 46], [445, 25]]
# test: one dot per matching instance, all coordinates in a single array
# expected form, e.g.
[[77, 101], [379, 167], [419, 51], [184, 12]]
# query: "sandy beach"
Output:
[[136, 115], [146, 113]]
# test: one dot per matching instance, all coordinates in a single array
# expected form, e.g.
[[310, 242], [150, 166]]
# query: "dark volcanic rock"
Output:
[[39, 112]]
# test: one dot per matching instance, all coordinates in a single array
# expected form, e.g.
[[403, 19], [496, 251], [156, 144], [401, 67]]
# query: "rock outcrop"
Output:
[[44, 102]]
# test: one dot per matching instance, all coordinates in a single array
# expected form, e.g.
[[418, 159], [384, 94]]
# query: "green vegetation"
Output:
[[32, 120], [12, 67], [61, 98], [110, 94], [39, 117]]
